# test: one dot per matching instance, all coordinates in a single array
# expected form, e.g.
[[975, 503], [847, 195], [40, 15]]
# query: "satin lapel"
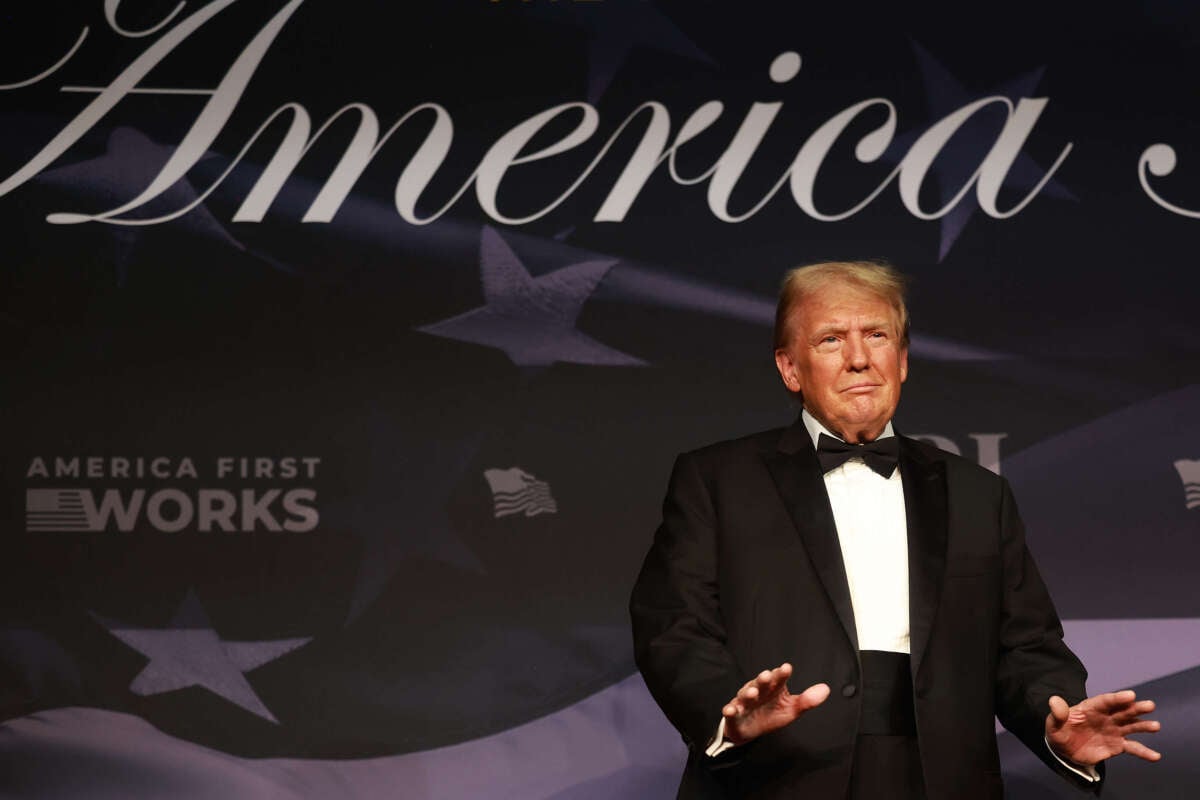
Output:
[[926, 510], [797, 475]]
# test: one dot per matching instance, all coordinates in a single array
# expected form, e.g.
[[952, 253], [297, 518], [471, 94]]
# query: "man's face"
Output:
[[845, 357]]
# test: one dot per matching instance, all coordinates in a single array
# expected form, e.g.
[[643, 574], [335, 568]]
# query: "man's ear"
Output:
[[787, 370], [903, 365]]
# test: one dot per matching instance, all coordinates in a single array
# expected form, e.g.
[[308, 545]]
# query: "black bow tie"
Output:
[[880, 455]]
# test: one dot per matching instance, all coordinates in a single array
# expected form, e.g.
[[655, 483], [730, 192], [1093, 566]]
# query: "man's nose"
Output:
[[857, 356]]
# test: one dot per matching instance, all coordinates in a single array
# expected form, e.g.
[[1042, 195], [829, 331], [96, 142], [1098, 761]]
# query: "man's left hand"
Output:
[[1099, 727]]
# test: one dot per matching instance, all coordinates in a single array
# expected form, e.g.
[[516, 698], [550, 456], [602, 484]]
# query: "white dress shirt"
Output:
[[868, 511]]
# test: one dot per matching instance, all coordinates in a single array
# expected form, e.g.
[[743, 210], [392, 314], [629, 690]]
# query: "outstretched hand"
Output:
[[1099, 727], [764, 704]]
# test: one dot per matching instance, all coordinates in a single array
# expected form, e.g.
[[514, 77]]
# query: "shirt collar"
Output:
[[815, 429]]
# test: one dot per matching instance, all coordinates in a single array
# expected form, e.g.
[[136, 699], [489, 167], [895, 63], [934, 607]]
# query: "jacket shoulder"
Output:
[[961, 471], [727, 450]]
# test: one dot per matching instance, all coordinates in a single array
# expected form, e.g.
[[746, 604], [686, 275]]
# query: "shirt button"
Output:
[[849, 689]]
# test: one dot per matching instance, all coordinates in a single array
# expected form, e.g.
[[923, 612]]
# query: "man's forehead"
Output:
[[844, 306]]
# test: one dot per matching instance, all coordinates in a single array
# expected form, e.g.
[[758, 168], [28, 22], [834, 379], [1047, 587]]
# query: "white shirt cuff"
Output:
[[1085, 771], [718, 744]]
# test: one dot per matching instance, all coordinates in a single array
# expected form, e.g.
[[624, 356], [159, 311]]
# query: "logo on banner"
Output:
[[240, 503], [1189, 473], [515, 491]]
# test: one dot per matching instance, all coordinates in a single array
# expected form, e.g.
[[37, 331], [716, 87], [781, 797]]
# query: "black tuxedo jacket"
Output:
[[746, 572]]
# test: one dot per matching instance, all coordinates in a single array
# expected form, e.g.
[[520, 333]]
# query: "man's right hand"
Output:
[[764, 704]]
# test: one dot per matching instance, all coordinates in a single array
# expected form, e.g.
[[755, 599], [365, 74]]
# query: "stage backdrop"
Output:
[[348, 346]]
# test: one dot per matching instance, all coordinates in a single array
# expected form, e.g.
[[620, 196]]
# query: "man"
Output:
[[887, 576]]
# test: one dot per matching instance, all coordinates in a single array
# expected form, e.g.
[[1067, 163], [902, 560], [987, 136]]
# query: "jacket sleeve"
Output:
[[678, 632], [1034, 662]]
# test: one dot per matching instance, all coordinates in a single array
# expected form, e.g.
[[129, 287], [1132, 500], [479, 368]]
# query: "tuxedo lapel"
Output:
[[797, 475], [928, 528]]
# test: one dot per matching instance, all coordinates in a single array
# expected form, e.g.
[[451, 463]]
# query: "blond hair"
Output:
[[876, 277]]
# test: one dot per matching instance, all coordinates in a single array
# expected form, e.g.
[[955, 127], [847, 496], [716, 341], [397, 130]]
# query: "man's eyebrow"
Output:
[[839, 327], [825, 330]]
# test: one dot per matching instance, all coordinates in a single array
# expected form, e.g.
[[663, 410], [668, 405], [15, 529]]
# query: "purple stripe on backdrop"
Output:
[[1124, 653], [613, 744]]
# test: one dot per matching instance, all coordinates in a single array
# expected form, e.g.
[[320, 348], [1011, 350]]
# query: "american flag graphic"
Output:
[[56, 510], [1189, 473], [515, 491]]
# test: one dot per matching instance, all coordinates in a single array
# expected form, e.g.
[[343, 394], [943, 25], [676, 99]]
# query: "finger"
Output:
[[782, 672], [768, 681], [1112, 701], [732, 710], [748, 693], [1133, 712], [812, 697], [774, 681], [1059, 711], [1141, 726], [1135, 748]]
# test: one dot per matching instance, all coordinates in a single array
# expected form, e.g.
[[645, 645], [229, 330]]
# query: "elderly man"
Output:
[[889, 577]]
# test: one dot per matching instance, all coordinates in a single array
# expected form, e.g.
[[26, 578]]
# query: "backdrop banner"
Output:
[[349, 346]]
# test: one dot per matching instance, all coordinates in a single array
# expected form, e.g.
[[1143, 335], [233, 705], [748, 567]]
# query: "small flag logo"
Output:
[[56, 510], [1189, 473], [515, 491]]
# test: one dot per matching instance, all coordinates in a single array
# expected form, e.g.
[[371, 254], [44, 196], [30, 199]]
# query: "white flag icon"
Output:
[[515, 491], [1189, 473]]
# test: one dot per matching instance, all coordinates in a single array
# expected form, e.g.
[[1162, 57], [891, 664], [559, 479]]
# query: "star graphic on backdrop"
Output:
[[188, 652], [532, 319], [398, 509], [130, 163], [962, 154], [613, 29]]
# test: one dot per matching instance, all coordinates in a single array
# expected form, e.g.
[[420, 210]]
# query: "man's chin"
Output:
[[863, 427]]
